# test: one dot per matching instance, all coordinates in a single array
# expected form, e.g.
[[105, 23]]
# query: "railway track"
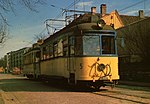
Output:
[[127, 96]]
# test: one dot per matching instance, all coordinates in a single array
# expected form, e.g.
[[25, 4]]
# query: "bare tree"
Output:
[[137, 39], [3, 32], [9, 6]]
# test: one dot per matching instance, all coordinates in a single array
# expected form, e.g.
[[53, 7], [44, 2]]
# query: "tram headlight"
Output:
[[101, 23], [101, 67]]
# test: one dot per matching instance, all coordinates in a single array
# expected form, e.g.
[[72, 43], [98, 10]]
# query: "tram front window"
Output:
[[108, 45], [91, 45]]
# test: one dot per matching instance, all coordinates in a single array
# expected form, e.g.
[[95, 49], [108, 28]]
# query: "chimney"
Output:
[[93, 10], [141, 13], [103, 9], [94, 17]]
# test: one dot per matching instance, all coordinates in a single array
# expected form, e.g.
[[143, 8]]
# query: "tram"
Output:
[[84, 53], [31, 62]]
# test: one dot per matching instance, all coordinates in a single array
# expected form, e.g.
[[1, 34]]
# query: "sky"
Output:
[[25, 25]]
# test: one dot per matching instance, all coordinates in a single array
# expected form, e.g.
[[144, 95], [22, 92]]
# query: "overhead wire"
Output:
[[148, 12], [143, 1], [76, 1], [130, 6], [34, 39], [59, 15], [65, 9]]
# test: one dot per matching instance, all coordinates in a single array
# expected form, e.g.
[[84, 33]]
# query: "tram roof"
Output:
[[83, 22]]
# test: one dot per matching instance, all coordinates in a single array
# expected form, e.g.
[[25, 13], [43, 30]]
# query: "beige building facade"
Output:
[[15, 59]]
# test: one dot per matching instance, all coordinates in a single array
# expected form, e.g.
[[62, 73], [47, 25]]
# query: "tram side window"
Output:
[[51, 51], [28, 59], [55, 47], [65, 47], [31, 58], [108, 45], [37, 56], [75, 45], [91, 45], [45, 52], [25, 59], [71, 45], [41, 54], [44, 56], [60, 48], [78, 46]]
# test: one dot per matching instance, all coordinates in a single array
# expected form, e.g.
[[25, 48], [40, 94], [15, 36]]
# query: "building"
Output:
[[15, 59], [128, 27], [3, 64], [137, 39], [133, 41], [117, 20]]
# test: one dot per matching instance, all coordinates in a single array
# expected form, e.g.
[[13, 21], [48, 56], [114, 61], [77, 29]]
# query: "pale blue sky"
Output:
[[25, 24]]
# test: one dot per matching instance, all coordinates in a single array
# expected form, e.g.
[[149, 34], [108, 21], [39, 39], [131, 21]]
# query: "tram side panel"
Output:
[[54, 68], [46, 68], [28, 70]]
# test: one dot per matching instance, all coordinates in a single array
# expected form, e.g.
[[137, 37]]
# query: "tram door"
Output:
[[36, 64], [71, 69], [71, 60]]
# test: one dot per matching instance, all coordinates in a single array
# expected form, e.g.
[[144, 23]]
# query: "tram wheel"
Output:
[[97, 87]]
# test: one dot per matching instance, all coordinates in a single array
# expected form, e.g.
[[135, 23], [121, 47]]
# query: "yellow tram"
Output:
[[83, 53]]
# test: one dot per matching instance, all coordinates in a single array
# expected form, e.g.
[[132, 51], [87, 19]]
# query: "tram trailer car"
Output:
[[84, 53], [31, 62]]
